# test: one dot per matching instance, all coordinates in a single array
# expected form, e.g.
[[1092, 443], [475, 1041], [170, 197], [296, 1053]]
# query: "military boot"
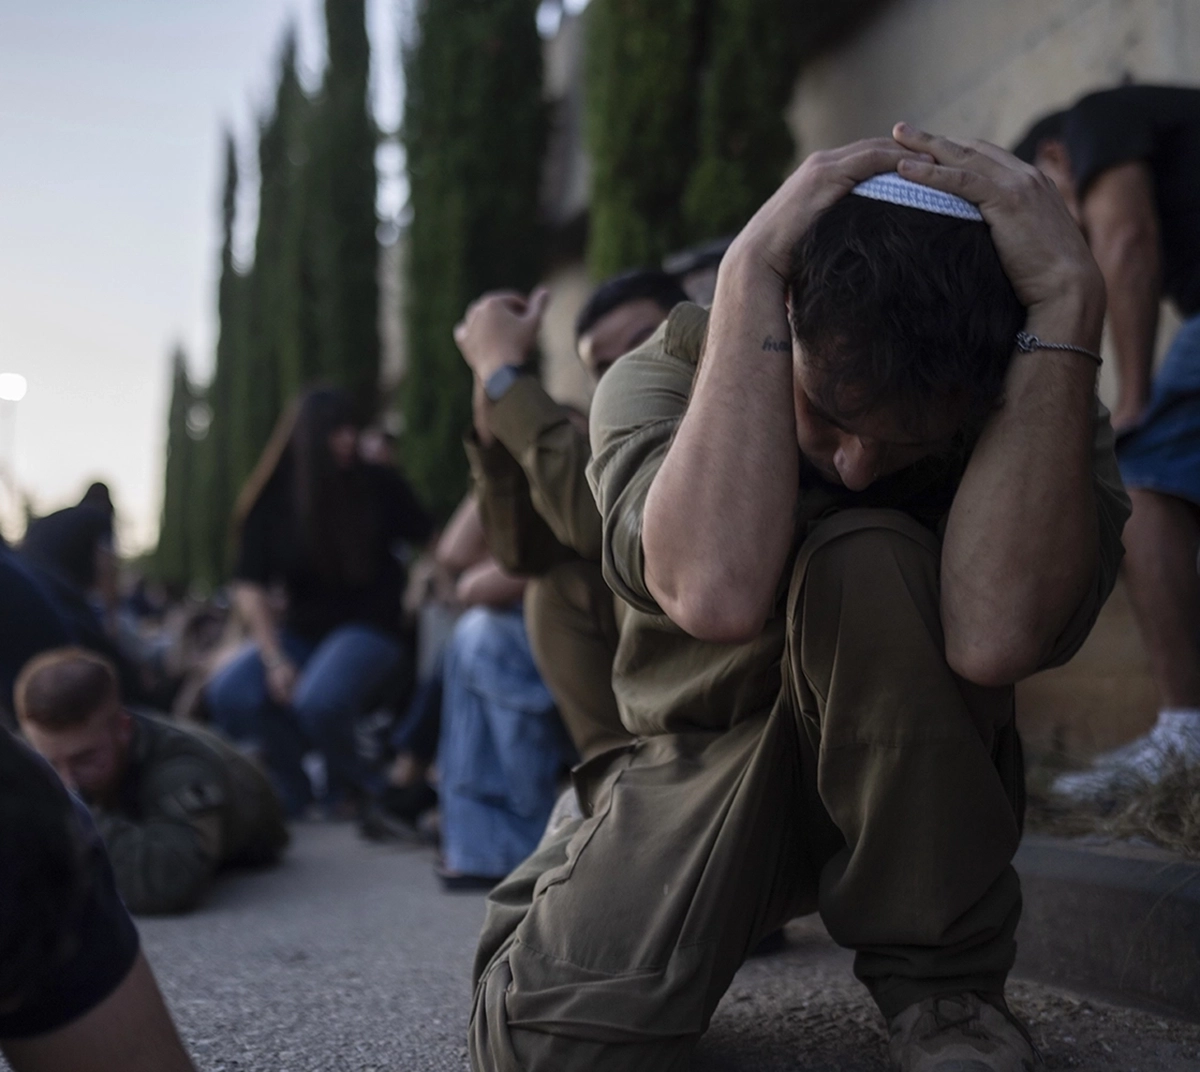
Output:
[[960, 1033]]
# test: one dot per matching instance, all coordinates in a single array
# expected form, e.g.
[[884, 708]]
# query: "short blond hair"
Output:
[[64, 687]]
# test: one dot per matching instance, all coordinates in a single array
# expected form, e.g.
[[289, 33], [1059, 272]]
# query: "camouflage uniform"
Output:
[[188, 804]]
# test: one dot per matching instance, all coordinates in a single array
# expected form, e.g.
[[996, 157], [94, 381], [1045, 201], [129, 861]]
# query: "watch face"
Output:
[[500, 381]]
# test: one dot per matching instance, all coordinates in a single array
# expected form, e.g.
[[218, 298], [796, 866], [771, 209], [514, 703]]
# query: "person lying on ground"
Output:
[[1126, 162], [848, 509], [174, 804], [75, 990], [529, 465]]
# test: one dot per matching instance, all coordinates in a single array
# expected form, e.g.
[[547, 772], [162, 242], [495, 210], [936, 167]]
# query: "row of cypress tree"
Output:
[[686, 137], [306, 309]]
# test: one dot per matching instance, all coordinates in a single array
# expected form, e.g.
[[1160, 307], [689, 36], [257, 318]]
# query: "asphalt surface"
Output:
[[350, 957]]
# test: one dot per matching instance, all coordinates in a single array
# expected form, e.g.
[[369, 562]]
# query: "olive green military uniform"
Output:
[[541, 520], [833, 763], [188, 804]]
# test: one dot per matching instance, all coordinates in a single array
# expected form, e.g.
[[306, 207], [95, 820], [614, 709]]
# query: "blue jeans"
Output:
[[339, 679], [1163, 452], [502, 745]]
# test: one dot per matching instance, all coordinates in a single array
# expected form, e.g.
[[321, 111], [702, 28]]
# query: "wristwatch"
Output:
[[497, 384]]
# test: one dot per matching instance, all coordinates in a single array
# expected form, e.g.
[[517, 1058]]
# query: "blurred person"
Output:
[[1127, 162], [173, 804], [77, 543], [75, 990], [326, 527], [501, 746], [847, 510], [529, 458]]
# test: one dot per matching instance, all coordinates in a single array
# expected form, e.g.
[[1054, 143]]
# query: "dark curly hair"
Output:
[[903, 308], [639, 283]]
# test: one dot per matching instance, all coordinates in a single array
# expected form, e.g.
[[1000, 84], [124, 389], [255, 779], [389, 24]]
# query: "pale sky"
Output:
[[111, 114]]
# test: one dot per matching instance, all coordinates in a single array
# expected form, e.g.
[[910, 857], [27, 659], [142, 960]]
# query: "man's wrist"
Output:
[[1074, 315]]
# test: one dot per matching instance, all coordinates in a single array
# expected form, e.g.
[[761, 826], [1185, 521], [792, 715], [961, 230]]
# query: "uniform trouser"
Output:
[[572, 628], [882, 790]]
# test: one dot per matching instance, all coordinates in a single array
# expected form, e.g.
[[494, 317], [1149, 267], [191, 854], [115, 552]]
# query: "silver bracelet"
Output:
[[1027, 343]]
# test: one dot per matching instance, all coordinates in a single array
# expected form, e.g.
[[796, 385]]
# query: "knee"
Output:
[[885, 558]]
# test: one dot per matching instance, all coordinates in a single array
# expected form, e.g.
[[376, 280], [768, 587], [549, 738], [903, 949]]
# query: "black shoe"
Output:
[[408, 802], [457, 881]]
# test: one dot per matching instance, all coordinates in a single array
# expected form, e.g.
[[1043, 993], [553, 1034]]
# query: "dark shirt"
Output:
[[1159, 125], [67, 541], [273, 549], [95, 942]]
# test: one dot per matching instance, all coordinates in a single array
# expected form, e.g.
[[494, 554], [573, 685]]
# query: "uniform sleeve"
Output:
[[637, 408], [1112, 511], [1106, 129], [554, 456], [165, 861], [517, 535]]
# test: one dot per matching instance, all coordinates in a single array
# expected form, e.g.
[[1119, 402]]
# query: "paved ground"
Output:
[[349, 958]]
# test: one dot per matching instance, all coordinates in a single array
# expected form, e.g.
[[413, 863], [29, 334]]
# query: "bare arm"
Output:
[[488, 585], [718, 520], [463, 543], [1121, 222], [1021, 541], [129, 1031]]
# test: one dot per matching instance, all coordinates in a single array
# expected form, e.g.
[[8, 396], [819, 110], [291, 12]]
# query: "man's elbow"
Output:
[[717, 615]]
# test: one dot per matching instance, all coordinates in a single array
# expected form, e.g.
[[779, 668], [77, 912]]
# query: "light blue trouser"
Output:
[[340, 677], [502, 745]]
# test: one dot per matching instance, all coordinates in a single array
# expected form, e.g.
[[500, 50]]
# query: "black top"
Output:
[[67, 541], [1160, 125], [88, 942], [272, 549]]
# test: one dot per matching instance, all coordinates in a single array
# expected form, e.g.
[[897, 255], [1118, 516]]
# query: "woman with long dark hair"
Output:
[[324, 526]]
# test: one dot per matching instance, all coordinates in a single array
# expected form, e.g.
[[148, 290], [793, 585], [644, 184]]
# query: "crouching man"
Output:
[[173, 804], [849, 509]]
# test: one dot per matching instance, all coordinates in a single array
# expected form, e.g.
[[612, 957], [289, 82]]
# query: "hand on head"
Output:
[[500, 328], [1041, 248], [816, 184]]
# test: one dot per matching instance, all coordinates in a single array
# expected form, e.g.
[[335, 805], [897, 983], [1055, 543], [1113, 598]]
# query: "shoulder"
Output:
[[178, 772], [652, 383]]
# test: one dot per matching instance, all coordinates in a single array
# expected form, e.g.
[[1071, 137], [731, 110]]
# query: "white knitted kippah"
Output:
[[900, 191]]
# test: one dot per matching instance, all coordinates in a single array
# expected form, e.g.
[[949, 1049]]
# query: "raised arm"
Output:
[[1121, 222], [1020, 550], [718, 519]]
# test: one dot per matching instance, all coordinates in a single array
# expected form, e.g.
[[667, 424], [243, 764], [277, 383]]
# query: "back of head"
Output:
[[64, 687], [902, 308], [1050, 127], [640, 284]]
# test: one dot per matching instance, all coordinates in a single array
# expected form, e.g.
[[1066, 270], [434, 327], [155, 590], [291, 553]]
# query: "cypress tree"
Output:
[[744, 143], [343, 188], [474, 133], [173, 559], [278, 350], [641, 82], [215, 491]]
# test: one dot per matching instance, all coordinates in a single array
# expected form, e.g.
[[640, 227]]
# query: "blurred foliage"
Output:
[[173, 560], [745, 146], [213, 484], [308, 308], [685, 116], [342, 182], [474, 135], [642, 72]]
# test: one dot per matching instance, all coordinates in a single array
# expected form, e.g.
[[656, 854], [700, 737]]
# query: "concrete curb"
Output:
[[1118, 919]]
